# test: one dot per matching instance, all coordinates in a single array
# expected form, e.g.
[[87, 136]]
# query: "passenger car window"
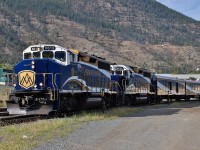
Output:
[[27, 55], [60, 56], [47, 54]]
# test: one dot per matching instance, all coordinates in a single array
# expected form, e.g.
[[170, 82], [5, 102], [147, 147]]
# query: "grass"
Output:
[[2, 104], [29, 135], [3, 98]]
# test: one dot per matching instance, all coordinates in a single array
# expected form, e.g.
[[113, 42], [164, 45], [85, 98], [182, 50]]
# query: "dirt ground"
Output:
[[174, 127]]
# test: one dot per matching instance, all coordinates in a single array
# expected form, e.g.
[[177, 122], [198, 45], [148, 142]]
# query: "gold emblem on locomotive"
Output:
[[26, 78]]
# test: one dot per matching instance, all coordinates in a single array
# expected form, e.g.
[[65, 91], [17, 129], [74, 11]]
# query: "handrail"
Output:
[[112, 82], [55, 77], [138, 87], [124, 84]]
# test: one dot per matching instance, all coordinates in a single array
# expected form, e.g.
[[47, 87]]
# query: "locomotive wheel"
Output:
[[149, 99], [103, 105], [127, 101], [51, 115], [55, 114]]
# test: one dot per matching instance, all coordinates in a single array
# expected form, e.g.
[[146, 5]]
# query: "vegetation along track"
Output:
[[6, 119]]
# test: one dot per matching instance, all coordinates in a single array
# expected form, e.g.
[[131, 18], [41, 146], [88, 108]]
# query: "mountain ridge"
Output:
[[131, 32]]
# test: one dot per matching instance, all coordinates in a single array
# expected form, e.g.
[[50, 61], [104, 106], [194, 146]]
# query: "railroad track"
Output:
[[3, 109], [3, 112], [9, 120]]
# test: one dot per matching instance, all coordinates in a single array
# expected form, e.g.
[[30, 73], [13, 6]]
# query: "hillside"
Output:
[[143, 33]]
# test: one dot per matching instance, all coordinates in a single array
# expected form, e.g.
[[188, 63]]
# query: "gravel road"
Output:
[[168, 128]]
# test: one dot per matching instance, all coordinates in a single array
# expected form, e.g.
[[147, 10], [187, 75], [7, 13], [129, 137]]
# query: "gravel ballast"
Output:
[[174, 127]]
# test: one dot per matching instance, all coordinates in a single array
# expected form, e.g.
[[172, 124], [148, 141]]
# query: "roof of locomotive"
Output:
[[48, 47]]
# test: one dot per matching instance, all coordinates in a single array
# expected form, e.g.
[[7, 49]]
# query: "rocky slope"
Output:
[[143, 33]]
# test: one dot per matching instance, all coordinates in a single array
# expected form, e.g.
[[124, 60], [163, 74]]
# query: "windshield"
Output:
[[60, 56], [27, 55], [47, 54], [36, 54]]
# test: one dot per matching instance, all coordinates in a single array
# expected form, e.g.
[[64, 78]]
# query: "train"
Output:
[[51, 79]]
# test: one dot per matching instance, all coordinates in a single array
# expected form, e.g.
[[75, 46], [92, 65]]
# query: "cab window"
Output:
[[118, 72], [60, 56], [27, 55], [36, 54], [47, 54]]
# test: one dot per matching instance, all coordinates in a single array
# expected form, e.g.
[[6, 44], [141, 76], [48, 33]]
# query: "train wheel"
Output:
[[157, 100], [55, 114], [127, 101], [51, 114], [103, 105]]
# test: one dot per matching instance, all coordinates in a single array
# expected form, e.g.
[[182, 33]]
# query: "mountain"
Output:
[[143, 33]]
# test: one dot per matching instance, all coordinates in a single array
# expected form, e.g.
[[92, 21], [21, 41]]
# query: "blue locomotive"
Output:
[[53, 79]]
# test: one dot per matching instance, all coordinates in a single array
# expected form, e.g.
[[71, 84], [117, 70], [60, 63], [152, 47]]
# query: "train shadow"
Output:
[[165, 108], [144, 110]]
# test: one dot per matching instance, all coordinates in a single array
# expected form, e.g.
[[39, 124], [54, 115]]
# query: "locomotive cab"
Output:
[[38, 79], [122, 70], [122, 74]]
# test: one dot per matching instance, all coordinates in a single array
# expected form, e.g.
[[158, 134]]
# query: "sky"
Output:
[[189, 8]]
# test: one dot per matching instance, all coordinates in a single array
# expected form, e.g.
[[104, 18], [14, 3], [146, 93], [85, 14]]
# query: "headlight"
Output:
[[14, 85], [33, 66], [41, 84], [35, 86], [32, 62]]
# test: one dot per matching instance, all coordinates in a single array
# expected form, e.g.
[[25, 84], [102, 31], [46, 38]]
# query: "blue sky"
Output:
[[190, 8]]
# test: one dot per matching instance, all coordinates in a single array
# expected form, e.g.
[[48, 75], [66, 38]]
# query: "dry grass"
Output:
[[26, 136], [2, 103], [3, 96], [29, 135], [110, 114]]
